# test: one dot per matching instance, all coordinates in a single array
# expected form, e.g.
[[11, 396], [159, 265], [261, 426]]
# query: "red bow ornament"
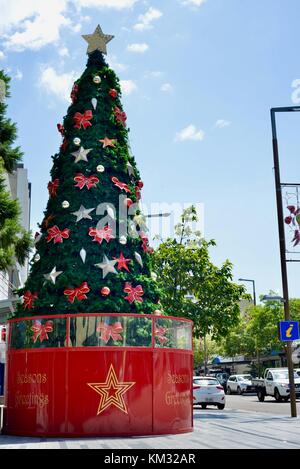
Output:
[[64, 145], [52, 187], [40, 330], [120, 116], [29, 299], [57, 235], [159, 333], [82, 120], [120, 185], [100, 235], [134, 293], [61, 129], [145, 243], [79, 293], [112, 331], [74, 93], [82, 181]]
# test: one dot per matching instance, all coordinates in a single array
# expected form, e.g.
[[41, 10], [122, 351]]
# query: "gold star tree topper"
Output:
[[97, 40]]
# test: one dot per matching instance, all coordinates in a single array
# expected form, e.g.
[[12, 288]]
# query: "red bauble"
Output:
[[105, 291], [140, 184], [113, 93], [128, 202]]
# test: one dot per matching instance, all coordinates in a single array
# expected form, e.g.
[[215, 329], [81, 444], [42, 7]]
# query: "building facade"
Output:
[[18, 186]]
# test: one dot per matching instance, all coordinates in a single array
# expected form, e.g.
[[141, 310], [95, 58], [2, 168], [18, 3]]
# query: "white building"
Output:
[[19, 188]]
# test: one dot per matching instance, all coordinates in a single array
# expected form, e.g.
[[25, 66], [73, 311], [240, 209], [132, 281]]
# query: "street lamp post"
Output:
[[253, 284], [283, 260]]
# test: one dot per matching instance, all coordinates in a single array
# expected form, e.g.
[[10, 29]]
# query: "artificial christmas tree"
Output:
[[88, 241], [89, 324]]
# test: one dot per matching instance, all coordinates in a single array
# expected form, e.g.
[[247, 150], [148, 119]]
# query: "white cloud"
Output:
[[189, 133], [221, 123], [59, 85], [128, 86], [153, 74], [35, 23], [195, 3], [32, 24], [166, 87], [144, 21], [115, 65], [139, 48], [63, 52], [117, 4], [18, 75], [2, 55]]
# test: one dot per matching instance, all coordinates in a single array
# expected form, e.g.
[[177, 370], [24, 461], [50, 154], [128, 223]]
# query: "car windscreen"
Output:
[[206, 382], [283, 375], [245, 378]]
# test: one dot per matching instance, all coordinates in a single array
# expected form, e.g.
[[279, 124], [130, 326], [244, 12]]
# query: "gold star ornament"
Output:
[[111, 391], [97, 41]]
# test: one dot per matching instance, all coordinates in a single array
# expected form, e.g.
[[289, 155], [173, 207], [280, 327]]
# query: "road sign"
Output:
[[289, 331]]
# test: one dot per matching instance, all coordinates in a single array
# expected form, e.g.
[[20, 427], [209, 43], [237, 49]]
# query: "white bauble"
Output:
[[77, 141]]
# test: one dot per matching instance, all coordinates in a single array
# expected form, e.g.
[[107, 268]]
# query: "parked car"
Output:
[[208, 391], [276, 383], [223, 378], [240, 384]]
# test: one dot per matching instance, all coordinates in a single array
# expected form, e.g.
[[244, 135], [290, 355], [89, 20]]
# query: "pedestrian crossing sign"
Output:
[[289, 331]]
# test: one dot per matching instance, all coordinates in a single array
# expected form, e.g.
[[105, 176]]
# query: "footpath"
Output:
[[228, 429]]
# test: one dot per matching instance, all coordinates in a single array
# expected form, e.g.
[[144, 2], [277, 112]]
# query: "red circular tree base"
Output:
[[102, 390]]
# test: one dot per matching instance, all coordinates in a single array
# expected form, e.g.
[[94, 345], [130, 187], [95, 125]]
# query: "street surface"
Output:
[[251, 403], [244, 423]]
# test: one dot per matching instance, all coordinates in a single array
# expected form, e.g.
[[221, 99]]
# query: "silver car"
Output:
[[240, 384]]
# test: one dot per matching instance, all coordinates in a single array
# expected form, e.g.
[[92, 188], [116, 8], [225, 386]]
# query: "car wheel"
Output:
[[203, 406], [239, 391], [286, 399], [260, 395], [277, 396], [221, 406], [228, 390]]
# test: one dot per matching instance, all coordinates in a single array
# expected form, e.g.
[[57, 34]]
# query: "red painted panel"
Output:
[[121, 406], [172, 391], [36, 390]]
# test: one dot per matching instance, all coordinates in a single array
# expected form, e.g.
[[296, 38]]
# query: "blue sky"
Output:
[[199, 78]]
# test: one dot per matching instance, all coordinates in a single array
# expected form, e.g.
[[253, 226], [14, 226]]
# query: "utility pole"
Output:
[[283, 260]]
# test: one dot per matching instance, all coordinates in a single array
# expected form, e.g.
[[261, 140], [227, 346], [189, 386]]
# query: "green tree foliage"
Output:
[[257, 332], [95, 114], [184, 268], [15, 242]]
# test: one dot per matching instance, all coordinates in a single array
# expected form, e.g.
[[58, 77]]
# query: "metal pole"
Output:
[[283, 262], [254, 293]]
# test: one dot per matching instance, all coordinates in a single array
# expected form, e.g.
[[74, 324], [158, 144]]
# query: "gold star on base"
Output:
[[97, 40], [111, 391]]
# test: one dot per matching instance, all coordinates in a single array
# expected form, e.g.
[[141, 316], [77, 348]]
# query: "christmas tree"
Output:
[[92, 252]]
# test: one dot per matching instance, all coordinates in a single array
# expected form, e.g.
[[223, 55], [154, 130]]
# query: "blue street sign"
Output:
[[289, 331]]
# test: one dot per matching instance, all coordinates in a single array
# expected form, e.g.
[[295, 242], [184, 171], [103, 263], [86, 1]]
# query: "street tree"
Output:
[[192, 286], [15, 242]]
